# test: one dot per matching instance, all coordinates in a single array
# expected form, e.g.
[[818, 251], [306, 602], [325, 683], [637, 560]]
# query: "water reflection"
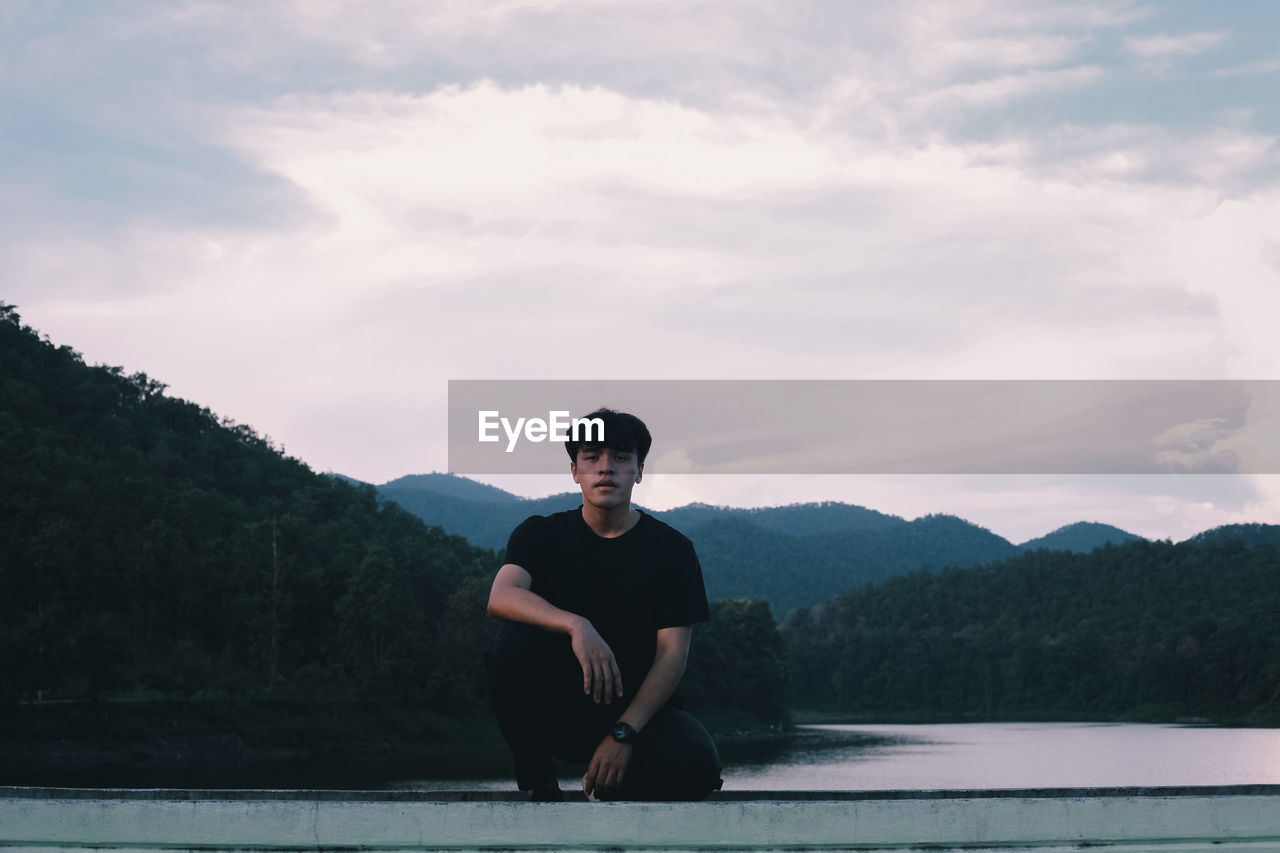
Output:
[[984, 756], [807, 745], [1034, 755]]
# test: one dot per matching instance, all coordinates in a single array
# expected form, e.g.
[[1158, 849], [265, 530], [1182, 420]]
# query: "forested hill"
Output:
[[1250, 534], [792, 556], [1148, 630], [1081, 537], [741, 558], [149, 548]]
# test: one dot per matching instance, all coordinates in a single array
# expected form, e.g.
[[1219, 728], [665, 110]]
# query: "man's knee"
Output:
[[700, 760], [532, 658], [680, 761], [512, 647]]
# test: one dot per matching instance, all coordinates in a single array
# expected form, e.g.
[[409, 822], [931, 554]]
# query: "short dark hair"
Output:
[[622, 431]]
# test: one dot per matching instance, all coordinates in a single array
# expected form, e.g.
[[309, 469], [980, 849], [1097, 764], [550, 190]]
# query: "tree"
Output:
[[739, 662]]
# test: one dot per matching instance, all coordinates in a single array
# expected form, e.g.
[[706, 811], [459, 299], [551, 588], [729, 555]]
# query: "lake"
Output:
[[990, 755]]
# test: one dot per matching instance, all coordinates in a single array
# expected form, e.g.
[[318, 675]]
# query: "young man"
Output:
[[598, 604]]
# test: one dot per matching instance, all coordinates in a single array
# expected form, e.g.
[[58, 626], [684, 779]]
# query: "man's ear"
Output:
[[639, 471], [573, 470]]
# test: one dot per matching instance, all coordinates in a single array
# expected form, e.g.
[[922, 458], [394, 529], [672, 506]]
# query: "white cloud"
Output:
[[724, 245], [1258, 67], [1225, 253], [998, 91], [1226, 159], [725, 189], [1195, 447], [938, 53], [494, 151], [1161, 45]]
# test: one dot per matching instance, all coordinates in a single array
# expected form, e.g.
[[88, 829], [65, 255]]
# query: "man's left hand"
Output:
[[607, 767]]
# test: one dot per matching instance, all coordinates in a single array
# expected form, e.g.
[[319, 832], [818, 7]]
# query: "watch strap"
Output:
[[623, 733]]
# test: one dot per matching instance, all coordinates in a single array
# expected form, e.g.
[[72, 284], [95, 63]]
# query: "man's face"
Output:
[[605, 475]]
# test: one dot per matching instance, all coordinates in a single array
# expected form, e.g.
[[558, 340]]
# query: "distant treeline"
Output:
[[1144, 630]]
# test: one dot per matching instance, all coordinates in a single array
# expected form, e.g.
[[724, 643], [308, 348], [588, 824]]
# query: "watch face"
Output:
[[623, 733]]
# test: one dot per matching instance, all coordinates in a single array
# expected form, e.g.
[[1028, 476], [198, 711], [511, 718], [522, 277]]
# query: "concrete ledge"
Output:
[[1237, 817]]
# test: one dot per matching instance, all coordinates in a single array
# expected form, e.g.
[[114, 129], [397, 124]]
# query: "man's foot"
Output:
[[547, 792]]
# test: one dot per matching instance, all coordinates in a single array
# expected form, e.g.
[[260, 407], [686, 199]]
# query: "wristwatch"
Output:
[[623, 733]]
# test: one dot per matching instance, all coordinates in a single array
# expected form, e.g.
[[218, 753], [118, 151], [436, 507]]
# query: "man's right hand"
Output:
[[513, 598], [600, 674]]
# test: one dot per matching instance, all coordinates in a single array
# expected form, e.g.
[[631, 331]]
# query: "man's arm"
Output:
[[512, 598], [663, 677], [609, 763]]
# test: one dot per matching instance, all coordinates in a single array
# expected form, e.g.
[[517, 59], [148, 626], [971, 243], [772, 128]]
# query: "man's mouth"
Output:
[[607, 484]]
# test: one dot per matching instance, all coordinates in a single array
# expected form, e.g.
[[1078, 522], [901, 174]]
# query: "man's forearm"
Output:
[[521, 605], [663, 678]]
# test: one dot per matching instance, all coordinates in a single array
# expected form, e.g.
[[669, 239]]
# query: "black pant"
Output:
[[536, 685]]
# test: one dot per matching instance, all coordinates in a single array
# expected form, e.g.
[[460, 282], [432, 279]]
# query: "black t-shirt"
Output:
[[628, 586]]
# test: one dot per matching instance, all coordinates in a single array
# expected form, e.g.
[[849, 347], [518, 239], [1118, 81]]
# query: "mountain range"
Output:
[[793, 556]]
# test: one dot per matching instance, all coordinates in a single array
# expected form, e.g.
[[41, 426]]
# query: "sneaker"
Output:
[[546, 794]]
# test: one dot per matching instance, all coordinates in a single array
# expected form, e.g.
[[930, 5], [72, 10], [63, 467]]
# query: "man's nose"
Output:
[[606, 461]]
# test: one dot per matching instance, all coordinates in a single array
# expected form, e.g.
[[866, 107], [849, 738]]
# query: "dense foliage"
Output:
[[1148, 629], [739, 661], [150, 547]]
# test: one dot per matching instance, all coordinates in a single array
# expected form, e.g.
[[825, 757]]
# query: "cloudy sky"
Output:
[[309, 216]]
